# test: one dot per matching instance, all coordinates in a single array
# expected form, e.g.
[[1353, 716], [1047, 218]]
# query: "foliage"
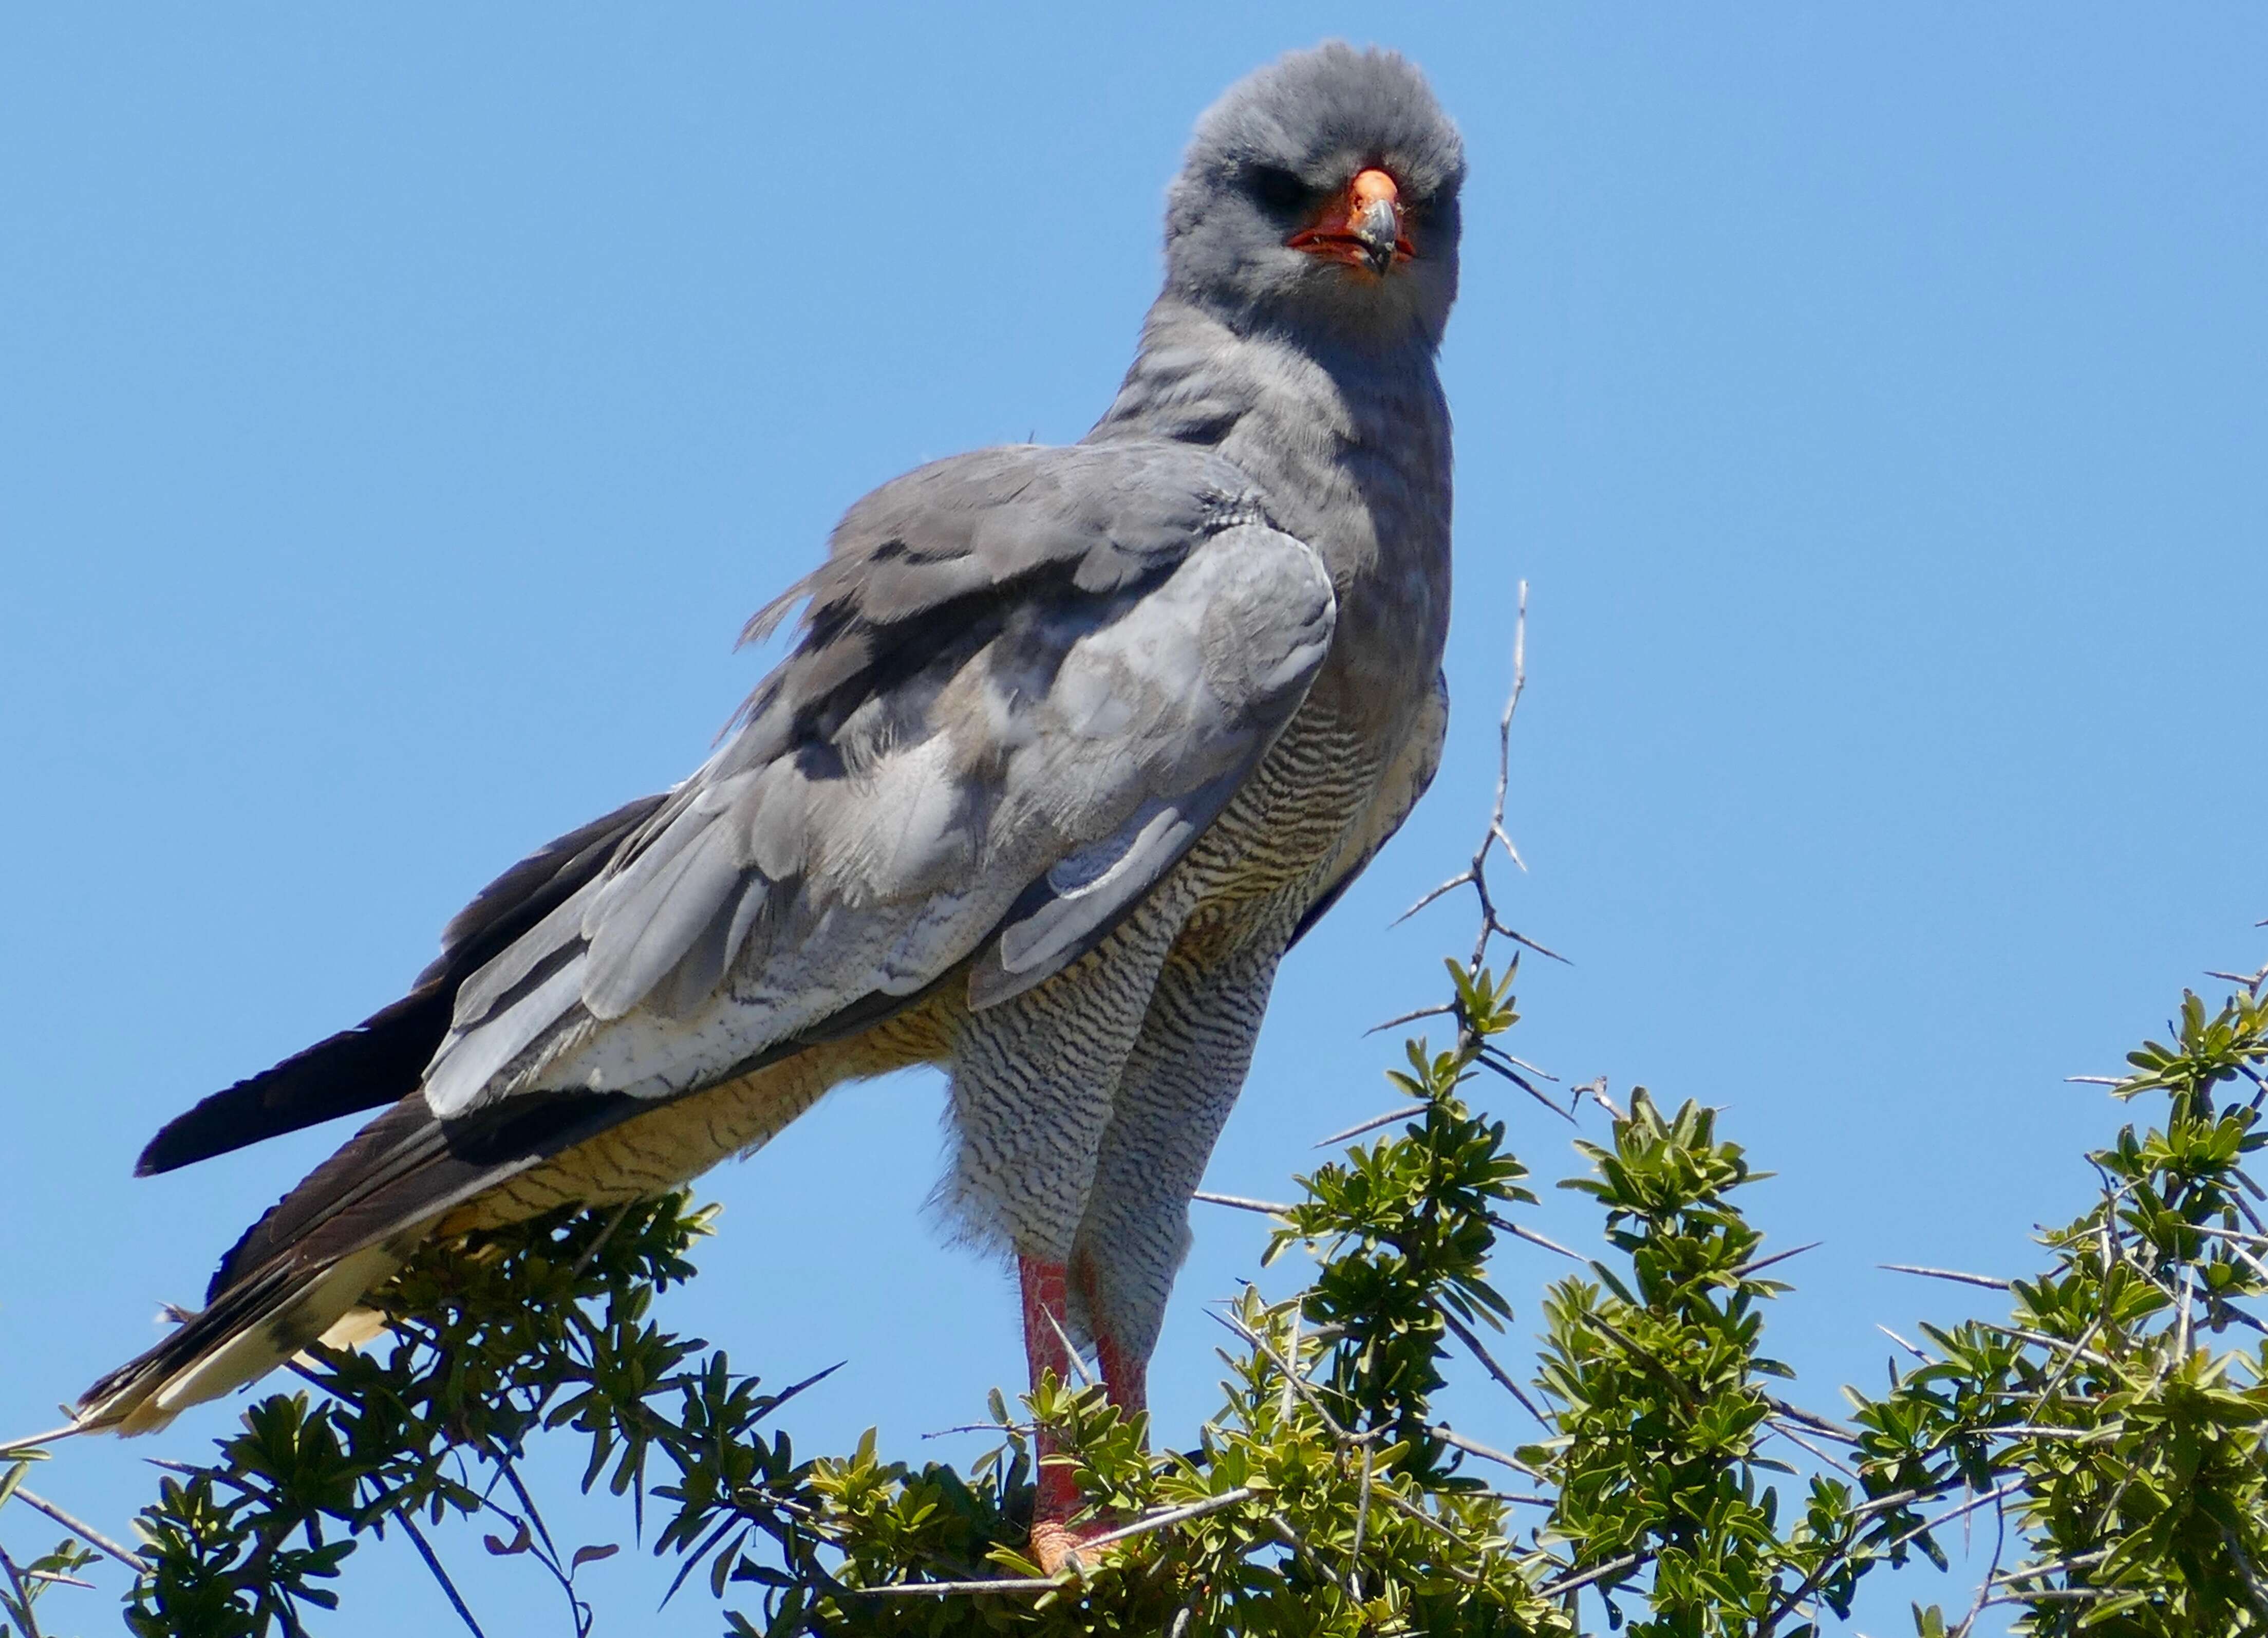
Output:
[[2111, 1438], [2132, 1453], [22, 1585]]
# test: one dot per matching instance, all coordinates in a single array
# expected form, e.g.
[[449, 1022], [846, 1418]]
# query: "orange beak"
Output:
[[1361, 227]]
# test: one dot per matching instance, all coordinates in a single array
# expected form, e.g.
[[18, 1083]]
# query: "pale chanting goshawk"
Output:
[[1073, 744]]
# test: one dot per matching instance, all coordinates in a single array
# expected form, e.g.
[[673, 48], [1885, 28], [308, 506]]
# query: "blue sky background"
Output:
[[401, 410]]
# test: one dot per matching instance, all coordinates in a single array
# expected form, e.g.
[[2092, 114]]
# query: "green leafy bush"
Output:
[[2108, 1427]]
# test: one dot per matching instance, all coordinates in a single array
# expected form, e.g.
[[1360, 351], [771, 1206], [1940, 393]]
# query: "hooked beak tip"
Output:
[[1362, 228], [1378, 230]]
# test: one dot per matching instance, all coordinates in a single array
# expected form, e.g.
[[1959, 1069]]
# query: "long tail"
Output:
[[317, 1253], [348, 1226]]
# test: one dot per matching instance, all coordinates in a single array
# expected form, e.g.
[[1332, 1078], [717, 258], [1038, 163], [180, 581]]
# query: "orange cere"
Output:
[[1369, 187], [1348, 228]]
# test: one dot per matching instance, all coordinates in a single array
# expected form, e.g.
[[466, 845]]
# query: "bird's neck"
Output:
[[1195, 376], [1352, 451]]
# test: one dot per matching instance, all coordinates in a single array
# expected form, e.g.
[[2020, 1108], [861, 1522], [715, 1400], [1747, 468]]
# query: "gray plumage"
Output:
[[1029, 677], [1072, 744]]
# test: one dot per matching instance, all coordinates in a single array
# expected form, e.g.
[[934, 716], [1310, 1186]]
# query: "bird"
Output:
[[1072, 743]]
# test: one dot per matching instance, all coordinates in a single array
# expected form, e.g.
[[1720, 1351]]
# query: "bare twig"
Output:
[[1810, 1421], [1070, 1352], [1787, 1432], [1172, 1516], [2057, 1567], [1269, 1208], [33, 1442], [1441, 1010], [1292, 1539], [2061, 1595], [1954, 1275], [1299, 1318], [1497, 1220], [1024, 1428], [952, 1588], [1963, 1511], [1883, 1504], [23, 1596], [1992, 1571], [1903, 1343], [1475, 874], [1489, 1060], [1746, 1269], [1463, 1334], [599, 1243], [2238, 1236], [2077, 1350], [1447, 1435], [1407, 1112], [1361, 1522], [433, 1563], [87, 1533], [1293, 1379], [1572, 1584]]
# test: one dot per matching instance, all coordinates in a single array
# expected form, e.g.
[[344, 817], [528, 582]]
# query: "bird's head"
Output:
[[1320, 195]]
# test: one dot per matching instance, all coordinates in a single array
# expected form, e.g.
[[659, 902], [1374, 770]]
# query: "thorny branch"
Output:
[[1475, 874]]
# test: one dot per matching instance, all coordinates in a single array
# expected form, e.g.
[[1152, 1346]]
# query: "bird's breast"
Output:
[[1353, 458], [1365, 479]]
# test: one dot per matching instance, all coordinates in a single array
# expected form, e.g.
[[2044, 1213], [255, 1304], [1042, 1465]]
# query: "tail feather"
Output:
[[238, 1339], [305, 1265]]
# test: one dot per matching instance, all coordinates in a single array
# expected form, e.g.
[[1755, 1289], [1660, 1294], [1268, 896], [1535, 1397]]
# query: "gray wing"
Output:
[[1026, 680], [383, 1059]]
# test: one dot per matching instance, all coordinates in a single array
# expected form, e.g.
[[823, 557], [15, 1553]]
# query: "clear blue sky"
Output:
[[399, 409]]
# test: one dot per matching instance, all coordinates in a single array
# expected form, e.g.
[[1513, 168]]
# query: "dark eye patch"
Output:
[[1279, 189]]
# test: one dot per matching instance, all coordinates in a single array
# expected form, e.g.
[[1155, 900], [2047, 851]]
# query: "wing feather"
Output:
[[381, 1059], [1027, 680]]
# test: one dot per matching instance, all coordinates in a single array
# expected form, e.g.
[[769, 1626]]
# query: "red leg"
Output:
[[1124, 1378], [1046, 1292], [1045, 1297]]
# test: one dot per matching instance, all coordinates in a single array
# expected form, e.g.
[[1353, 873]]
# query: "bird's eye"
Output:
[[1279, 189]]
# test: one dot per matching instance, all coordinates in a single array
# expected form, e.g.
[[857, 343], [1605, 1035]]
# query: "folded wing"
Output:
[[1027, 680], [383, 1059]]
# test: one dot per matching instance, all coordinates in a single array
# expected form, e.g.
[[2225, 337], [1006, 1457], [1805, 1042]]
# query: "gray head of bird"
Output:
[[1320, 198]]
